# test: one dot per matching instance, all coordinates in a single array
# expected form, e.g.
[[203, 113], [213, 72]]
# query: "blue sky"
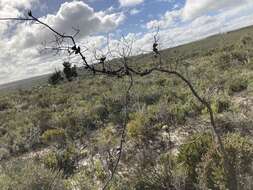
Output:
[[136, 14], [179, 21]]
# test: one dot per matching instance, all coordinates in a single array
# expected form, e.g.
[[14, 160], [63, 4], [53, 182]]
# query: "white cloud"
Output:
[[15, 4], [20, 56], [71, 15], [169, 19], [134, 11], [195, 8], [127, 3], [178, 32], [12, 9]]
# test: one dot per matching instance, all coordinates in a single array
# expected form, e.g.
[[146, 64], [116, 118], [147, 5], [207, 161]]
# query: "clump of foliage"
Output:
[[240, 56], [69, 71], [161, 175], [220, 104], [141, 126], [55, 78], [53, 136], [240, 156], [107, 138], [136, 126], [232, 59], [190, 155], [24, 175], [64, 160], [247, 41], [224, 60], [238, 84], [203, 163], [5, 104]]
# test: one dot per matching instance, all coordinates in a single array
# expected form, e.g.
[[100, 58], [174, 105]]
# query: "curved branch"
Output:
[[53, 30]]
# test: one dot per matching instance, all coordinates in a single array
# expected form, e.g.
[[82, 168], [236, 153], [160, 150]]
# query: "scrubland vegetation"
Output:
[[66, 135]]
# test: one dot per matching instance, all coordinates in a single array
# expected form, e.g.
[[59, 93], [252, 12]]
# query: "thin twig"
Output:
[[16, 19], [122, 139]]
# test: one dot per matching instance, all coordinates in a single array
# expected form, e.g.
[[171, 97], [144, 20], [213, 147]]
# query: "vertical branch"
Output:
[[123, 133]]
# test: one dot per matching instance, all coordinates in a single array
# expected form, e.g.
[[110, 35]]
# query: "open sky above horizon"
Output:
[[179, 21]]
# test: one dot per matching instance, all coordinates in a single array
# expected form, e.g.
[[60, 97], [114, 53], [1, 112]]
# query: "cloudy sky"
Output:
[[23, 45]]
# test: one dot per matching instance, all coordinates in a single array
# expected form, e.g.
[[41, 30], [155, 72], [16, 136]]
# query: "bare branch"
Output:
[[122, 138]]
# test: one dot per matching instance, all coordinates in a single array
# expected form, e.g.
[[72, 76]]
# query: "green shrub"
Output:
[[67, 160], [28, 175], [100, 111], [83, 180], [64, 159], [142, 125], [43, 118], [53, 136], [247, 41], [3, 131], [190, 155], [4, 153], [55, 78], [160, 174], [5, 104], [220, 104], [136, 126], [224, 60], [99, 171], [50, 160], [150, 98], [178, 111], [232, 58], [237, 84], [240, 156], [43, 99], [106, 138], [115, 107], [240, 56]]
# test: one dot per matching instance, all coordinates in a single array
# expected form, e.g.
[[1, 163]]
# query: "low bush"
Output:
[[136, 126], [237, 84], [5, 104], [246, 41], [241, 57], [53, 136], [107, 138], [220, 104], [224, 60], [69, 71], [240, 156], [55, 78], [190, 155], [64, 160], [100, 111], [203, 163], [142, 125], [28, 175]]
